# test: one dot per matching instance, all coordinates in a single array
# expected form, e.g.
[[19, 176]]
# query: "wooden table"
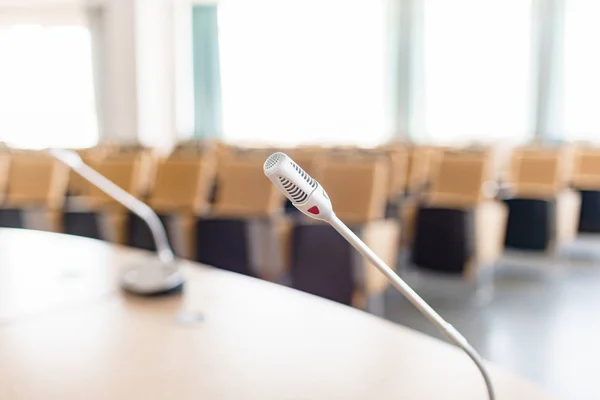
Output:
[[67, 332]]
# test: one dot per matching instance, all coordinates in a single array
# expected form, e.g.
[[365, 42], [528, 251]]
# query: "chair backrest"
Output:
[[123, 171], [537, 172], [394, 156], [183, 184], [243, 191], [196, 148], [586, 171], [77, 184], [459, 179], [145, 158], [36, 179], [421, 163], [357, 188], [311, 159]]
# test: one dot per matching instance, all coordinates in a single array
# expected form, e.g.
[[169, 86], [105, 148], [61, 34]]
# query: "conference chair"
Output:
[[459, 228], [145, 158], [311, 156], [96, 215], [395, 156], [36, 186], [543, 212], [586, 180], [226, 153], [181, 192], [200, 148], [422, 164], [322, 262], [244, 229]]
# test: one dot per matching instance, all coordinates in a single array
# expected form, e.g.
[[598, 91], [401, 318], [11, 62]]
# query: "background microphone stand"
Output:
[[157, 276]]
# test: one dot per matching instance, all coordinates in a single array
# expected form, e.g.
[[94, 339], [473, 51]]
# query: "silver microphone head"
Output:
[[301, 189]]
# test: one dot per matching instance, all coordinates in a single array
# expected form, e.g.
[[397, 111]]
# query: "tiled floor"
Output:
[[542, 323]]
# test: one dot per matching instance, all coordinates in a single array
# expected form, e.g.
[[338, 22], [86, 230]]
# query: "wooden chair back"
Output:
[[421, 163], [183, 184], [537, 172], [586, 169], [459, 179], [36, 179], [357, 188], [243, 191], [123, 171], [145, 160]]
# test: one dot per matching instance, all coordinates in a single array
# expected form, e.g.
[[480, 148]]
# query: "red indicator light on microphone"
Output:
[[314, 210]]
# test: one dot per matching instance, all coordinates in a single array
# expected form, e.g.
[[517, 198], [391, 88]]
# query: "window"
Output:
[[303, 71], [582, 70], [46, 87], [477, 61]]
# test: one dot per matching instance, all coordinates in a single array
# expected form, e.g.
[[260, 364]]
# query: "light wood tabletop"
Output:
[[68, 332]]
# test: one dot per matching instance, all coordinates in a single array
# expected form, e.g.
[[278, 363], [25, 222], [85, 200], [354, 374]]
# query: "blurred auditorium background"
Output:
[[458, 138]]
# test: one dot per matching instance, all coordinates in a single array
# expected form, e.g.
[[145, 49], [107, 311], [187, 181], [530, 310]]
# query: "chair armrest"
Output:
[[568, 205], [382, 236], [490, 229]]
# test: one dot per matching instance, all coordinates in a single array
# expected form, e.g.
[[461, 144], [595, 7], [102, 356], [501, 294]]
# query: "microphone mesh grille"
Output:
[[296, 194], [304, 175], [273, 160]]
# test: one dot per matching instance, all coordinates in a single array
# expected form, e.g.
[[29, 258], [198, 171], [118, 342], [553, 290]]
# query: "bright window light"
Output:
[[46, 87], [582, 70], [303, 71], [477, 57]]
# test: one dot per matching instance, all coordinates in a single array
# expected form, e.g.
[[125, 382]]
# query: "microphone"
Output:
[[307, 195], [159, 276]]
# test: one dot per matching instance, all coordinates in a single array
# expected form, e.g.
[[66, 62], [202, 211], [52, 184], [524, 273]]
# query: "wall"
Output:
[[155, 42], [134, 50], [117, 80]]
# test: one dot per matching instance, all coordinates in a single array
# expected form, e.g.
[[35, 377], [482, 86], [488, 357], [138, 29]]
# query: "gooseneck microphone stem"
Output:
[[142, 210], [74, 161], [149, 277], [445, 328], [308, 196]]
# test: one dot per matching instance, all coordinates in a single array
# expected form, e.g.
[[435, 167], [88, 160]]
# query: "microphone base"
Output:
[[153, 278]]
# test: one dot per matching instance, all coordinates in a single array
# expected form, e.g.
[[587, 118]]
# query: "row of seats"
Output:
[[218, 207], [458, 208]]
